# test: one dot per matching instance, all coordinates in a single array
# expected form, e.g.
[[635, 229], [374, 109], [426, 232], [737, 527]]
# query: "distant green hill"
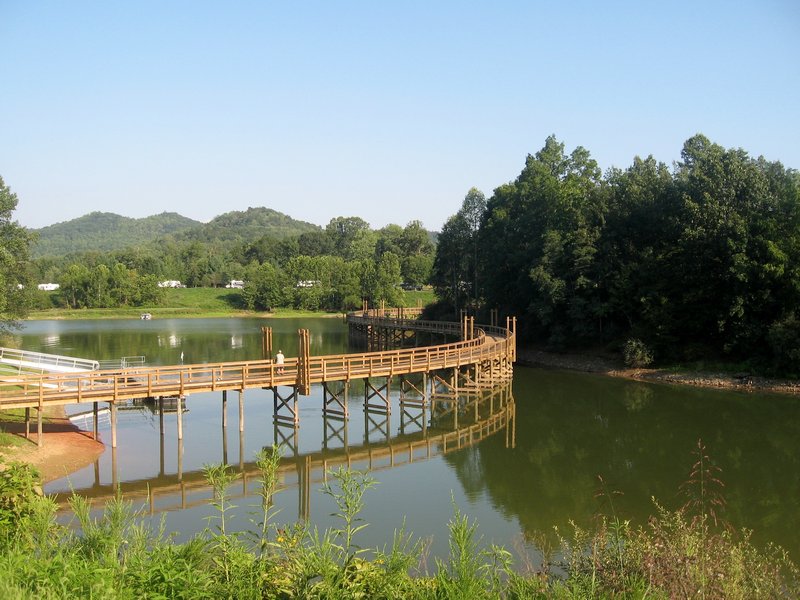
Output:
[[104, 231], [247, 226]]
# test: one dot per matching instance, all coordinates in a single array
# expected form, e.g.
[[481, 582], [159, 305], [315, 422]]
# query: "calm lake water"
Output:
[[569, 428]]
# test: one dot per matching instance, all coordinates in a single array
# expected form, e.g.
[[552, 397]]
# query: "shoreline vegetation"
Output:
[[201, 303], [679, 553], [588, 362]]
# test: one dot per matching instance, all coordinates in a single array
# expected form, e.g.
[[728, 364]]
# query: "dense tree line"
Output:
[[15, 240], [699, 261], [334, 268], [104, 287]]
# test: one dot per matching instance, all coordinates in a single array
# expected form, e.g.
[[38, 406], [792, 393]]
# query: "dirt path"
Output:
[[66, 447]]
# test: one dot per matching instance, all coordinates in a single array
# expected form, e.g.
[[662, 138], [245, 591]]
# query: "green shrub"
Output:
[[637, 354], [19, 493], [784, 341]]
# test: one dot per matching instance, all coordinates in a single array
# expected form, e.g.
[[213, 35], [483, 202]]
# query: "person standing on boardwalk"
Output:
[[279, 358]]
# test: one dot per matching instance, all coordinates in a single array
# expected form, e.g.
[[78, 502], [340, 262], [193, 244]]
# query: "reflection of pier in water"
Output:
[[449, 423]]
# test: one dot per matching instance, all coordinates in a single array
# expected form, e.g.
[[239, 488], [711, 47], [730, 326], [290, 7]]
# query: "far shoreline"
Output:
[[588, 363], [156, 314]]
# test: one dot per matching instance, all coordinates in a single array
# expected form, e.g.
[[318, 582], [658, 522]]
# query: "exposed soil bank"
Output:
[[66, 448], [614, 368]]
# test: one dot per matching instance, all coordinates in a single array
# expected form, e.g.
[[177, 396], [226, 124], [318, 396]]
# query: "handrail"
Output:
[[29, 359], [128, 383]]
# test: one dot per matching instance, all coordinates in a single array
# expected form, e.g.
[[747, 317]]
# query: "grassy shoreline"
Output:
[[166, 313], [198, 303]]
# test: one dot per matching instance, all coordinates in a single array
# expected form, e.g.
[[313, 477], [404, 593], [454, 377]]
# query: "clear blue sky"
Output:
[[386, 110]]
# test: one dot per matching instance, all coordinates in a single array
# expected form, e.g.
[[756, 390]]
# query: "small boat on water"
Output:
[[146, 316]]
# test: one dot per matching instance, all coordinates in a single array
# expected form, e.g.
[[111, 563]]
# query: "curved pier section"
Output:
[[474, 358]]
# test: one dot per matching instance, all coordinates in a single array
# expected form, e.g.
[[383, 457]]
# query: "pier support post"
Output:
[[27, 423], [113, 410], [241, 410], [266, 342], [334, 430], [180, 459], [224, 445], [180, 417], [224, 408], [373, 424], [303, 365], [414, 398], [161, 458], [95, 421], [334, 402], [304, 489], [382, 407], [114, 468], [40, 441], [241, 451], [287, 433], [288, 402], [161, 415], [381, 392]]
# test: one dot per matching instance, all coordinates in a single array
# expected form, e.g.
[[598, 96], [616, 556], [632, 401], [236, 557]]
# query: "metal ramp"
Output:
[[27, 362]]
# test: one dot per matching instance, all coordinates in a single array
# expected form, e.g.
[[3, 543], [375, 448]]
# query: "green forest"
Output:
[[698, 261], [282, 262]]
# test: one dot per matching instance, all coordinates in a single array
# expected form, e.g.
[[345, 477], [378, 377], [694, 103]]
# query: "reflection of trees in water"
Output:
[[571, 428], [201, 340]]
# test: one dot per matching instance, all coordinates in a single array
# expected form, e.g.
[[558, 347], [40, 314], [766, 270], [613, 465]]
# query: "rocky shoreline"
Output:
[[603, 365]]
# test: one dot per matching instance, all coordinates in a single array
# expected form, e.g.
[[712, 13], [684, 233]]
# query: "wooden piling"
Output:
[[266, 342], [180, 417], [113, 411], [241, 410]]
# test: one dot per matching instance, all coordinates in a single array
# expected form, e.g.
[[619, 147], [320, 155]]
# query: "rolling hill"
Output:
[[105, 232]]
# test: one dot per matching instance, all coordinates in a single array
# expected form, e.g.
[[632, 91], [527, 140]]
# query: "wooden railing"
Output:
[[180, 380]]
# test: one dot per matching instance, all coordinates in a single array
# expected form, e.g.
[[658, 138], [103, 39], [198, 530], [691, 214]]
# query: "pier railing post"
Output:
[[303, 365], [266, 342]]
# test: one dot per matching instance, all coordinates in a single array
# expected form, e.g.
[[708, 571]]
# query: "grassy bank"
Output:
[[195, 303], [12, 422]]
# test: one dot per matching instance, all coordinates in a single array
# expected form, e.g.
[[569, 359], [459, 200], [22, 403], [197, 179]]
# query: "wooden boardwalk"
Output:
[[483, 357]]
